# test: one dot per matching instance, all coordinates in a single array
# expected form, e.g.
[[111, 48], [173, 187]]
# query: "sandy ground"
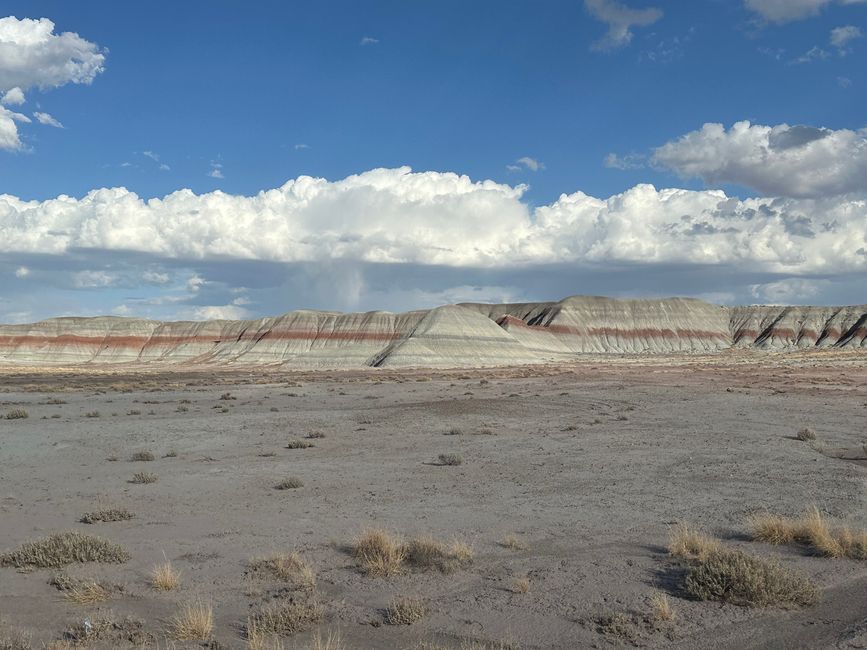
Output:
[[589, 463]]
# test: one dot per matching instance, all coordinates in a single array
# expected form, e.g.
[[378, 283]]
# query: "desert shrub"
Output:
[[315, 435], [194, 622], [227, 396], [92, 414], [735, 577], [811, 530], [689, 543], [290, 483], [379, 552], [405, 611], [521, 585], [514, 543], [81, 591], [454, 431], [806, 434], [144, 478], [165, 577], [426, 552], [285, 617], [450, 459], [299, 444], [108, 515], [142, 456], [17, 414], [64, 548], [661, 608], [289, 567]]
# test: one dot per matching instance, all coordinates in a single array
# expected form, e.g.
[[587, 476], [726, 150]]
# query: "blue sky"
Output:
[[243, 97]]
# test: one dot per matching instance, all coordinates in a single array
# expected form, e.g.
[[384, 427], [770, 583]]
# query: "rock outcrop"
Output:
[[467, 334]]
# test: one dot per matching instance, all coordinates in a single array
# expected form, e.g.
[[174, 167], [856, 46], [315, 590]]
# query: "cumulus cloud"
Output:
[[33, 56], [22, 272], [620, 20], [220, 312], [394, 216], [784, 11], [369, 40], [842, 36], [48, 120], [13, 97], [9, 137], [795, 161]]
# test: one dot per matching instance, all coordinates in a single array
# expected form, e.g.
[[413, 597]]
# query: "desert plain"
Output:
[[548, 493]]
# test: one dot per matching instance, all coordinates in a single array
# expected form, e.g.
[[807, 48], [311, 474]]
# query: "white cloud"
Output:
[[791, 291], [164, 167], [526, 163], [150, 154], [155, 277], [9, 137], [629, 161], [48, 120], [216, 173], [844, 82], [33, 56], [92, 279], [395, 216], [300, 146], [220, 312], [797, 161], [620, 20], [13, 97], [815, 53], [784, 11], [22, 272], [842, 36], [369, 40]]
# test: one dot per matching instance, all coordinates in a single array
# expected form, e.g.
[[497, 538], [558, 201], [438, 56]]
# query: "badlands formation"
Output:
[[468, 335]]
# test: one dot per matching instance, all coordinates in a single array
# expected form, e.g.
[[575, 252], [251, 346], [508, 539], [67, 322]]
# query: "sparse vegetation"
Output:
[[142, 456], [108, 515], [17, 414], [454, 431], [92, 414], [65, 548], [379, 552], [289, 567], [688, 543], [426, 552], [806, 434], [227, 396], [81, 591], [514, 543], [812, 531], [283, 618], [144, 477], [315, 435], [661, 608], [299, 444], [450, 459], [194, 622], [521, 586], [405, 611], [741, 579], [291, 483], [165, 577]]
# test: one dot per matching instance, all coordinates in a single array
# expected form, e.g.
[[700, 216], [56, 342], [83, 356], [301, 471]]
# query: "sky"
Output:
[[227, 159]]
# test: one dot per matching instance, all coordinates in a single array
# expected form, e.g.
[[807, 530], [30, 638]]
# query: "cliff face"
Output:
[[451, 336]]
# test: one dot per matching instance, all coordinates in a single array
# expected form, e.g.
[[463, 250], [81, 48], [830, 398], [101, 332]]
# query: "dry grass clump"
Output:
[[144, 478], [283, 618], [117, 632], [426, 552], [405, 611], [661, 608], [194, 622], [454, 431], [806, 434], [65, 548], [289, 567], [107, 515], [142, 456], [735, 577], [514, 543], [450, 459], [290, 483], [92, 414], [811, 530], [17, 414], [299, 444], [380, 553], [81, 591], [521, 586], [14, 641], [165, 577], [689, 543], [315, 435]]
